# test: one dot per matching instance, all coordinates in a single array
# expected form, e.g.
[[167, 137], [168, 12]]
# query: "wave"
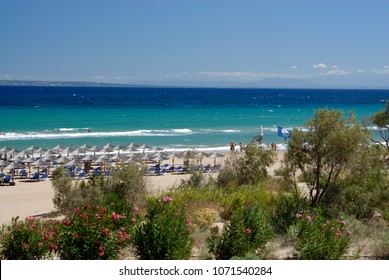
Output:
[[72, 133]]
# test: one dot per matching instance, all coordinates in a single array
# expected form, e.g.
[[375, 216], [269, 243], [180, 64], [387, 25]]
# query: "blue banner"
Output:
[[283, 132]]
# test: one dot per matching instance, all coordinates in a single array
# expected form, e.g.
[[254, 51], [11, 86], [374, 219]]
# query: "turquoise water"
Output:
[[172, 118]]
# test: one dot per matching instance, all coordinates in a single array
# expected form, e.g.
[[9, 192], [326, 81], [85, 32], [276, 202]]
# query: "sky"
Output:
[[332, 43]]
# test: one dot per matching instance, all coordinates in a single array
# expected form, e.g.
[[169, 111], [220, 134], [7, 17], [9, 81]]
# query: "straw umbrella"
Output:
[[67, 151], [132, 145], [84, 148], [160, 158], [94, 149], [174, 155], [12, 167], [58, 148], [38, 163], [215, 156], [118, 148], [32, 149], [28, 161], [144, 147], [118, 158]]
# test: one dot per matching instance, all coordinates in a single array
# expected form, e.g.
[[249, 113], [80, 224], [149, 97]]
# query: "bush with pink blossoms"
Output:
[[31, 239], [95, 233], [248, 230], [318, 238]]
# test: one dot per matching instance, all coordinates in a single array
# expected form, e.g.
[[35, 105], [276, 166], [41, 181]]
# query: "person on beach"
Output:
[[241, 146], [232, 146]]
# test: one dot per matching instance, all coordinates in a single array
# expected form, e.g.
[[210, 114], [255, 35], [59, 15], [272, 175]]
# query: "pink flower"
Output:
[[362, 247], [343, 222], [115, 216], [101, 252], [30, 219], [308, 218], [75, 235], [84, 216], [40, 244], [53, 246], [25, 246], [247, 230], [298, 215], [98, 216], [133, 220], [46, 237], [76, 210], [188, 221], [136, 209], [338, 233], [112, 203], [32, 227], [167, 198]]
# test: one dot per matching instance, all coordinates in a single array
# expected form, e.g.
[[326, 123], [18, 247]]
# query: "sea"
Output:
[[172, 118]]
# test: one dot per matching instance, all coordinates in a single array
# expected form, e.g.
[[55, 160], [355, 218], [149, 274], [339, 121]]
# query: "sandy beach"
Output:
[[34, 199]]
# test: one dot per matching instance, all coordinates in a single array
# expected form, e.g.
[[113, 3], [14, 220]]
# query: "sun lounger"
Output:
[[8, 180], [35, 177]]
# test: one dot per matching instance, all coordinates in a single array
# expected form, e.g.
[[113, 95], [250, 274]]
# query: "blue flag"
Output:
[[283, 132]]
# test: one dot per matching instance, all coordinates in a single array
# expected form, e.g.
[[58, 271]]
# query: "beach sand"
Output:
[[34, 199]]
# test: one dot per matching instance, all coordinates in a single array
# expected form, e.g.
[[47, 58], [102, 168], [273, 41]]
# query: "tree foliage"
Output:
[[381, 121], [321, 154], [247, 169]]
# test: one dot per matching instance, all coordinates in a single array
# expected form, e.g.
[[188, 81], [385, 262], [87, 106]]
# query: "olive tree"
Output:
[[320, 154]]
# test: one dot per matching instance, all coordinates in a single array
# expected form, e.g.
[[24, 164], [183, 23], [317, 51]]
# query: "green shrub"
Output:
[[316, 238], [195, 181], [247, 195], [126, 183], [165, 234], [28, 240], [62, 186], [248, 169], [247, 231]]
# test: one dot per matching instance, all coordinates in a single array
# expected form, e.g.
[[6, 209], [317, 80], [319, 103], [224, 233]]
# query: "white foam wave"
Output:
[[72, 133]]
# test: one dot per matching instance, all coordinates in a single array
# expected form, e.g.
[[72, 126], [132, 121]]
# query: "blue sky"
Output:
[[323, 43]]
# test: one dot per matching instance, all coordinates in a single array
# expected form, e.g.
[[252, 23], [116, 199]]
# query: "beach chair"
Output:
[[81, 175], [44, 176], [23, 173], [35, 177], [217, 167], [8, 180]]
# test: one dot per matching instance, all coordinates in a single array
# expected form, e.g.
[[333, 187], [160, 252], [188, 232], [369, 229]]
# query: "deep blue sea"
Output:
[[171, 118]]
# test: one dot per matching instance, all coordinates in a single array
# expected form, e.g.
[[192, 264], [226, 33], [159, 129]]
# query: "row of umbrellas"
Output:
[[69, 156]]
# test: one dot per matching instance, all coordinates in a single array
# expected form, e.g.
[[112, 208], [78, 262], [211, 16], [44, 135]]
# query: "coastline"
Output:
[[34, 199]]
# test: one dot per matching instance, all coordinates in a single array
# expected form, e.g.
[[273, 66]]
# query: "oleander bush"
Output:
[[31, 239], [286, 207], [247, 231], [96, 232], [316, 237], [165, 233]]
